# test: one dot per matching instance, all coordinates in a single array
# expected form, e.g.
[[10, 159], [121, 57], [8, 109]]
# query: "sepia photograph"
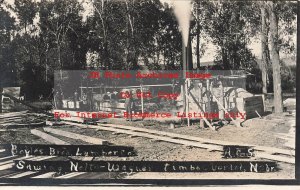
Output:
[[147, 92]]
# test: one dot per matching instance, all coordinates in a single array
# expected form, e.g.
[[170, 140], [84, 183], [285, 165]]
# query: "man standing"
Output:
[[128, 104]]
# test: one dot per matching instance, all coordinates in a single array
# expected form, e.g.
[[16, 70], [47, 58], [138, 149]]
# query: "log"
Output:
[[70, 175], [151, 136], [276, 158], [46, 175], [210, 147], [17, 125], [26, 104], [48, 138], [206, 121], [12, 114], [84, 138], [29, 173], [234, 121], [199, 139]]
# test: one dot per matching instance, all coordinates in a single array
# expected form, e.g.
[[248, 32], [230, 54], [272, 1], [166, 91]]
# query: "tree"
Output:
[[58, 18], [264, 48], [6, 58], [227, 24], [198, 34], [274, 54], [26, 11], [199, 12], [134, 32]]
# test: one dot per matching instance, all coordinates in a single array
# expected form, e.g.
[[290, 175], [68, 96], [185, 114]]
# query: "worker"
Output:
[[76, 96], [128, 104], [59, 98], [56, 101], [84, 101], [90, 100], [75, 99]]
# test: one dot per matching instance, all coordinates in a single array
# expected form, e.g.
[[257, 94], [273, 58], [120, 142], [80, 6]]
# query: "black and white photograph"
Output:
[[147, 92]]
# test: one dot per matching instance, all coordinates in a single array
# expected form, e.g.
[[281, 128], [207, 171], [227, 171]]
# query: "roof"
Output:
[[288, 61], [207, 63]]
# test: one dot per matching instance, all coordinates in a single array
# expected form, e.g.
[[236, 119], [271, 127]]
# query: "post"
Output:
[[187, 107], [208, 96], [221, 112], [1, 90], [234, 120], [200, 102], [200, 92], [92, 99], [201, 110], [142, 99]]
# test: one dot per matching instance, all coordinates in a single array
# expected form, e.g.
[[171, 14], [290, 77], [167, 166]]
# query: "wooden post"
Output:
[[208, 96], [200, 92], [1, 90], [187, 107], [92, 99], [142, 99], [234, 121], [200, 102], [81, 91], [221, 112], [197, 103], [55, 100]]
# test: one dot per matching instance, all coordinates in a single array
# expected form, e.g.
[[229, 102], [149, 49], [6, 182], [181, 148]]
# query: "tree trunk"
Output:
[[189, 54], [198, 37], [46, 63], [1, 89], [225, 58], [59, 60], [274, 54], [264, 49]]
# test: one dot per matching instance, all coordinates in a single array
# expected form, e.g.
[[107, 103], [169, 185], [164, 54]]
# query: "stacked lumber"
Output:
[[252, 105], [21, 119]]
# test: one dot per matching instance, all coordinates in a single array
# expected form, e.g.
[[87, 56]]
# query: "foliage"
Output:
[[130, 34]]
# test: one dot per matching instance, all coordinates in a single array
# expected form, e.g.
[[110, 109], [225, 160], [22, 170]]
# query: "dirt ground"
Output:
[[263, 131], [255, 131]]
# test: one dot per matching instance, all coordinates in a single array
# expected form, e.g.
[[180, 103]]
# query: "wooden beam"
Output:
[[11, 118], [210, 147], [48, 138], [45, 175], [12, 114], [84, 138], [187, 105], [199, 106], [221, 112], [203, 140], [10, 163], [19, 125], [29, 173], [238, 124], [25, 103], [151, 136], [1, 90], [276, 157]]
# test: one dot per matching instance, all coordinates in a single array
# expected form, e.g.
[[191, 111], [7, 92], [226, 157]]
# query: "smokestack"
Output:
[[187, 57], [182, 11]]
